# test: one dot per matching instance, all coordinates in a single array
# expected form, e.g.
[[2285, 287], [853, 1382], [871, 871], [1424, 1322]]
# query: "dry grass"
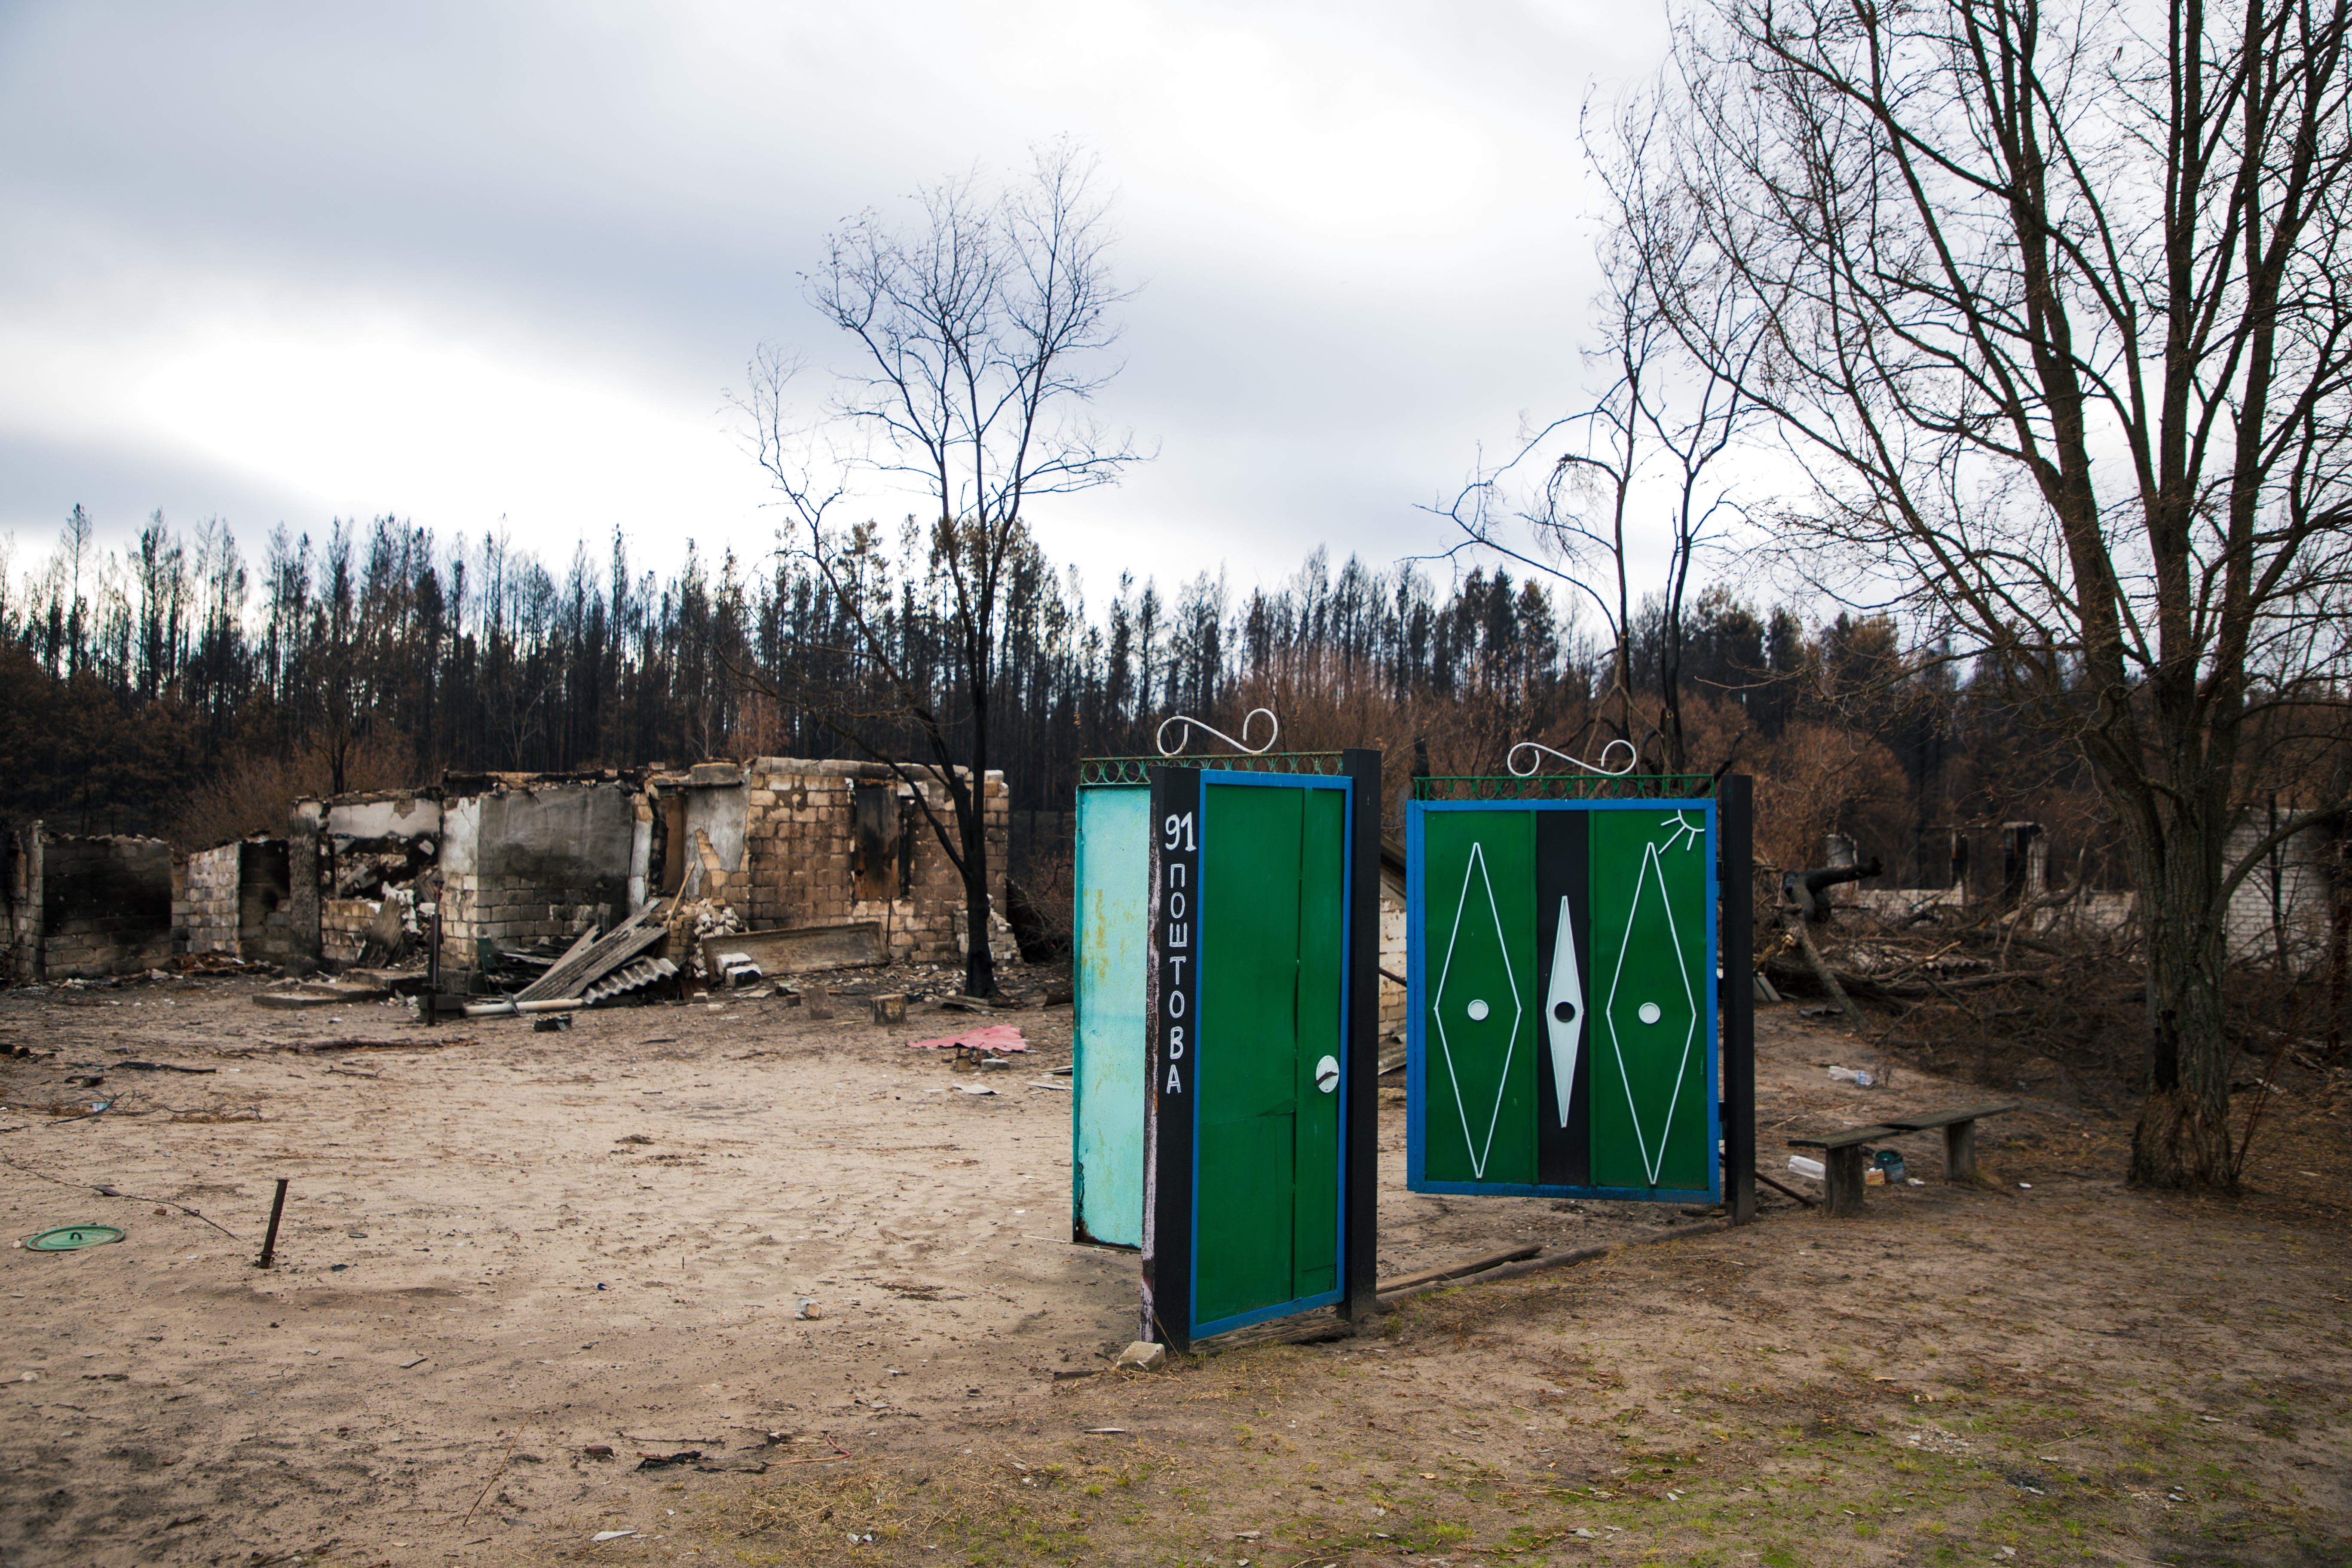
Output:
[[1977, 1375]]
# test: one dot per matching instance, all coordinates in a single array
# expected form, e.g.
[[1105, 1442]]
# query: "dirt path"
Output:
[[500, 1257]]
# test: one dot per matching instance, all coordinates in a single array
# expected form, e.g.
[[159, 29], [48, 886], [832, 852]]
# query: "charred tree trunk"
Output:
[[979, 964], [2183, 1136]]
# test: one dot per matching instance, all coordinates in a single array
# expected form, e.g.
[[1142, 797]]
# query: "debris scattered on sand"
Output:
[[664, 1461]]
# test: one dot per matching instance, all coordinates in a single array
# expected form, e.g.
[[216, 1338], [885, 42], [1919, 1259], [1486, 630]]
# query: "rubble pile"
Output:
[[714, 918]]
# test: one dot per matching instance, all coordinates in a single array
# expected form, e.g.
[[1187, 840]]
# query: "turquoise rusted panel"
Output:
[[1107, 962]]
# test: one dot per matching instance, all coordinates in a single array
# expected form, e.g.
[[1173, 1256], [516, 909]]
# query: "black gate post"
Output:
[[1171, 1064], [1735, 813]]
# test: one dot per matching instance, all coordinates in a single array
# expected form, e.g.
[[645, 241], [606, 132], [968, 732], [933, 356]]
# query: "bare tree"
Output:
[[982, 332], [1587, 494], [2052, 302]]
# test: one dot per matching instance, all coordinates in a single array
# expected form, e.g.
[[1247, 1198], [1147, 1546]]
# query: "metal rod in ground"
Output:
[[277, 1209]]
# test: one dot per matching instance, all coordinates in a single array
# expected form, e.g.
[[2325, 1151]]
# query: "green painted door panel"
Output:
[[1649, 961], [1322, 978], [1479, 893], [1272, 989], [1243, 1261], [1249, 953]]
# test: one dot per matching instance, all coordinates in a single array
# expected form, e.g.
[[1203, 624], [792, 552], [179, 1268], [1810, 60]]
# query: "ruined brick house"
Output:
[[77, 907], [514, 858]]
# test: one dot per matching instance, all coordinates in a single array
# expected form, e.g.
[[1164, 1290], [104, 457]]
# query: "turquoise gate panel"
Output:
[[1561, 1038], [1110, 936]]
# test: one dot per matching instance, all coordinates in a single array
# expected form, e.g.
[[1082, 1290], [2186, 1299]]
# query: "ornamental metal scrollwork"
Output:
[[1184, 737], [1511, 760]]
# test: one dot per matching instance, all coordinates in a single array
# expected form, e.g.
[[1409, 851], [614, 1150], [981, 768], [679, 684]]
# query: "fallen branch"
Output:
[[1567, 1259], [503, 1461], [312, 1047], [1455, 1270]]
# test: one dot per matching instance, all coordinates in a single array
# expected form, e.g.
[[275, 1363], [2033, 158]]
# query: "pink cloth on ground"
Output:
[[988, 1037]]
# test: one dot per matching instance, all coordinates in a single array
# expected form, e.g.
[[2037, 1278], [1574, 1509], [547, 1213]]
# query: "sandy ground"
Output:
[[607, 1231], [500, 1255]]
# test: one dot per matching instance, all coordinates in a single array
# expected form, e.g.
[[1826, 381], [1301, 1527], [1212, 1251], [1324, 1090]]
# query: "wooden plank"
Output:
[[1845, 1140], [801, 949], [1920, 1123]]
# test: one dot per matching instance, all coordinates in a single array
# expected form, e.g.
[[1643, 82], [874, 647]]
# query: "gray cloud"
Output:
[[1359, 229]]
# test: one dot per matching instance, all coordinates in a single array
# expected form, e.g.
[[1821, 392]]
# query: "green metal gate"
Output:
[[1562, 986]]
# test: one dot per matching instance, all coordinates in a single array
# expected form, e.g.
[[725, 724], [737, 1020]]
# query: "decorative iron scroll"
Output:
[[1184, 738], [1566, 787], [1094, 771], [1511, 760]]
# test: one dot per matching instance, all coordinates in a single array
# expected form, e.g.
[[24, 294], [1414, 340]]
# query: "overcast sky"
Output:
[[481, 261]]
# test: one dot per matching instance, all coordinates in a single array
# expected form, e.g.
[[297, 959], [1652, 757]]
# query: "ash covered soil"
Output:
[[505, 1250]]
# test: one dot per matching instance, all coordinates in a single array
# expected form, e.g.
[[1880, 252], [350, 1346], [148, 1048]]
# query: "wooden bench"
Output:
[[1959, 1133], [1842, 1180], [1842, 1167]]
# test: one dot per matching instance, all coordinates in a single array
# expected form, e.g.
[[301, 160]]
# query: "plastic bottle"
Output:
[[1855, 1076], [1808, 1169]]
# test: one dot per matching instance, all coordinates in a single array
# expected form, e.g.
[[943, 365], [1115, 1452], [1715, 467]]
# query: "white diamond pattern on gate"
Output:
[[1652, 874], [1476, 871]]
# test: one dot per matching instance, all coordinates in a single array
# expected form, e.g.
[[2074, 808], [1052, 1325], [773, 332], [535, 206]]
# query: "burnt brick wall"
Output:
[[237, 899], [807, 854], [106, 906], [20, 901], [534, 860], [343, 928], [205, 907]]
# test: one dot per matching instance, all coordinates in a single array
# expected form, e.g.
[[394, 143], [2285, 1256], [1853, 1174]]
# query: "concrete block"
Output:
[[1142, 1356]]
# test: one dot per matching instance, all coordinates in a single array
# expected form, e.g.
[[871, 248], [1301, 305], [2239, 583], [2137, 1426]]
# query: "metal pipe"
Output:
[[517, 1009]]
